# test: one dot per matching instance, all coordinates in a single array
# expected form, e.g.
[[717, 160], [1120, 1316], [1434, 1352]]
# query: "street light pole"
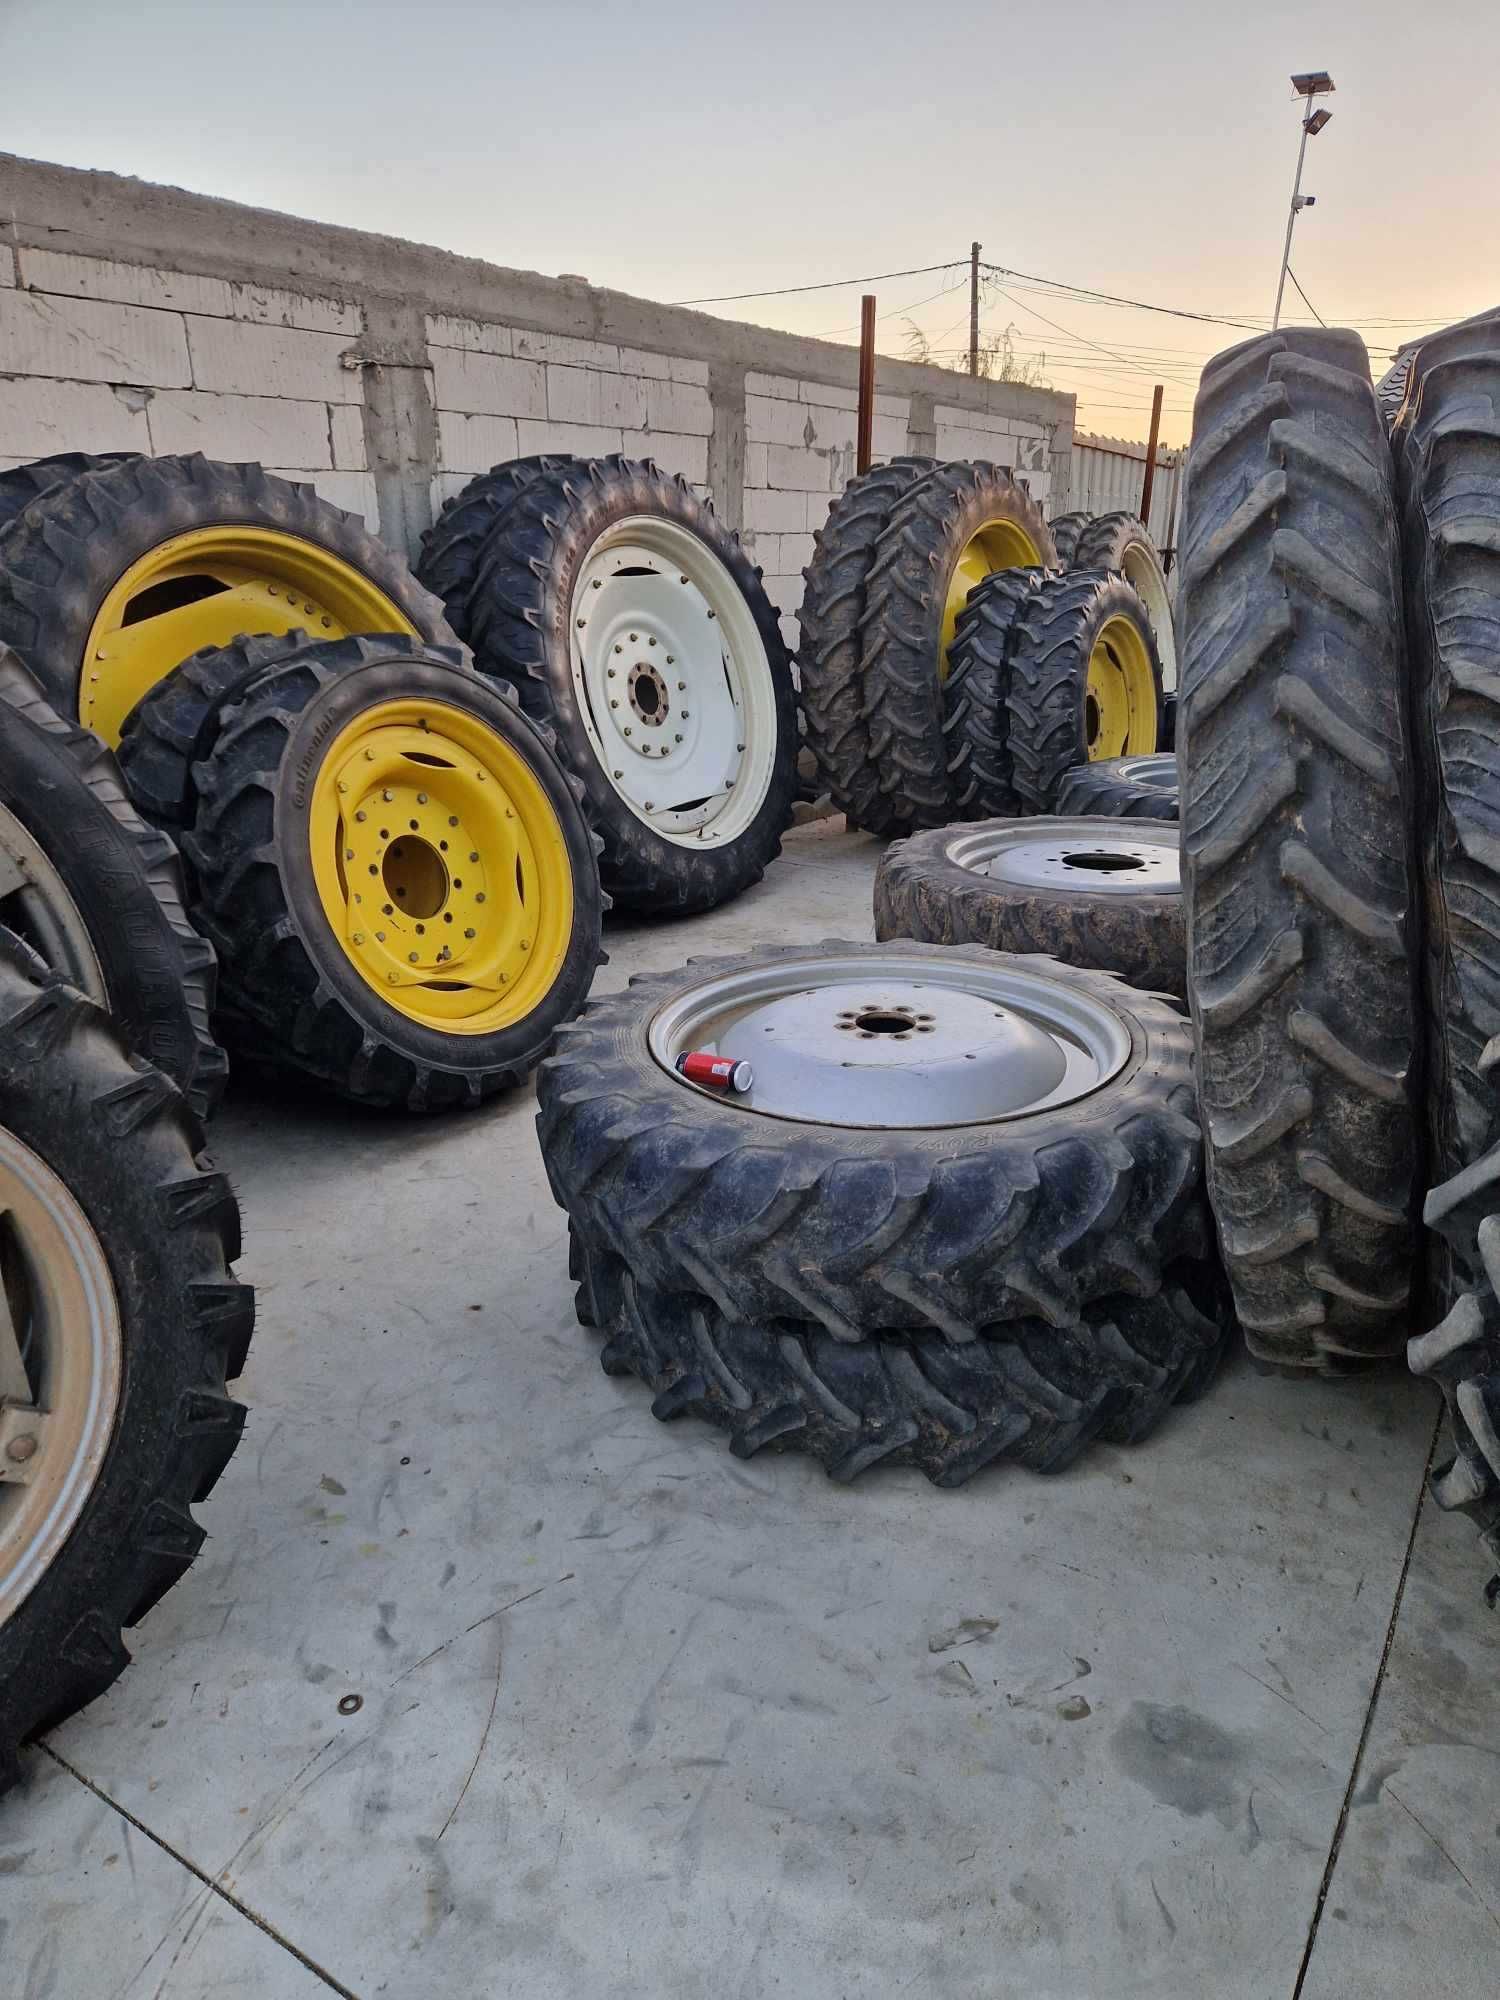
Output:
[[1312, 84]]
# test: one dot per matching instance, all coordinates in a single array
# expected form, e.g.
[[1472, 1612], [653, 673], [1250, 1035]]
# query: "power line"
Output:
[[1304, 298], [1059, 289], [832, 285]]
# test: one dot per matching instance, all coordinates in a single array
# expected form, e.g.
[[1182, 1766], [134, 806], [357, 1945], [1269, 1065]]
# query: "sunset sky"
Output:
[[680, 150]]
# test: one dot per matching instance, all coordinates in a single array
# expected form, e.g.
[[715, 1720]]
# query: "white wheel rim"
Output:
[[35, 904], [673, 681], [60, 1367], [1144, 571]]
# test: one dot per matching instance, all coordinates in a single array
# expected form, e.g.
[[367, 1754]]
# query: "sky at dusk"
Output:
[[1143, 148]]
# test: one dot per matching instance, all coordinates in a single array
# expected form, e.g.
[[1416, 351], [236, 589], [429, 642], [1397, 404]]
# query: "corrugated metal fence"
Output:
[[1107, 476]]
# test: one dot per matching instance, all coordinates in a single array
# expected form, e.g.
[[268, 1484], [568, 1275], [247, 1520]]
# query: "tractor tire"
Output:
[[1390, 390], [1090, 893], [1085, 682], [1295, 808], [97, 894], [120, 1240], [1167, 740], [22, 484], [113, 578], [1066, 528], [1122, 544], [828, 659], [451, 547], [1122, 788], [276, 858], [1024, 1395], [622, 529], [1449, 482], [862, 1229], [958, 526], [974, 714]]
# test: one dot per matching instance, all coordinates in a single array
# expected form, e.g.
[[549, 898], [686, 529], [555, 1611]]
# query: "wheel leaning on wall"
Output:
[[1122, 543], [449, 557], [21, 484], [633, 626], [110, 580]]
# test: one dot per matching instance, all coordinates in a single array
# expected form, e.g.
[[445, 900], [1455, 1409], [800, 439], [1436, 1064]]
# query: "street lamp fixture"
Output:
[[1309, 85]]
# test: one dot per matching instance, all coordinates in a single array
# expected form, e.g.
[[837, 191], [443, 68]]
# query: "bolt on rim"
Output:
[[441, 865], [896, 1041], [673, 682], [36, 905], [61, 1367], [1098, 856], [1120, 703]]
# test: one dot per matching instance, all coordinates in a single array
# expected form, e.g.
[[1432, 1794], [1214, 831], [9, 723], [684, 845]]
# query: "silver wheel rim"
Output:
[[673, 681], [60, 1367], [1143, 569], [882, 1041], [1157, 773], [1097, 857], [36, 905]]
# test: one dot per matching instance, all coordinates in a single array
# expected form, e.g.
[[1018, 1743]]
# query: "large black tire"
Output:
[[831, 686], [1295, 813], [906, 599], [974, 712], [1066, 528], [450, 549], [21, 484], [521, 612], [123, 879], [1047, 692], [860, 1231], [1448, 469], [255, 890], [923, 890], [60, 560], [121, 1139], [1028, 1395], [1121, 542], [1122, 788]]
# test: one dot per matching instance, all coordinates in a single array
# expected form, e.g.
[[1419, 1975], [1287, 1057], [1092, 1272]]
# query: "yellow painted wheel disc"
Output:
[[206, 588], [442, 866], [997, 545], [1120, 709]]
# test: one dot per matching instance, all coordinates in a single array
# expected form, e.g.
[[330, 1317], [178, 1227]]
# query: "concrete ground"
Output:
[[487, 1683]]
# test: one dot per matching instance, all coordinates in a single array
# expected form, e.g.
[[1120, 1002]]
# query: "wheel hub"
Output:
[[846, 1040], [1104, 857]]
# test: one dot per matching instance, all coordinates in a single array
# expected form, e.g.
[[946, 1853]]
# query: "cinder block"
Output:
[[479, 336], [695, 372], [677, 406], [785, 592], [684, 457], [473, 444], [833, 429], [636, 361], [892, 406], [39, 416], [447, 486], [183, 291], [831, 394], [796, 554], [769, 512], [818, 505], [755, 466], [888, 437], [245, 360], [346, 428], [274, 308], [973, 420], [763, 550], [585, 396], [271, 429], [564, 349], [582, 440], [1031, 453], [794, 467], [353, 491], [770, 420], [488, 383], [84, 340], [785, 386]]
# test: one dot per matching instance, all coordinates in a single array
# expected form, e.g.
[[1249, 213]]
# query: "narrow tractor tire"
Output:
[[923, 892], [1295, 809], [1121, 542], [450, 551], [1047, 693], [831, 682], [289, 981], [859, 1231], [1066, 528], [21, 484], [124, 880], [1119, 788], [1028, 1396], [521, 613], [906, 599], [120, 1137], [974, 711]]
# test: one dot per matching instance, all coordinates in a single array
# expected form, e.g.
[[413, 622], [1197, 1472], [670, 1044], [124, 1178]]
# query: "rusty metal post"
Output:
[[1150, 479], [973, 308], [866, 433]]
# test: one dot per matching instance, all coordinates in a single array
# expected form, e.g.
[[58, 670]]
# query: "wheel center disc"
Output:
[[1103, 857], [1156, 773], [849, 1041]]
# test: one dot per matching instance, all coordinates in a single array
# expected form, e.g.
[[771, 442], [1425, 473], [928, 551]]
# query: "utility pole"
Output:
[[1150, 479], [866, 425], [973, 308], [1311, 84]]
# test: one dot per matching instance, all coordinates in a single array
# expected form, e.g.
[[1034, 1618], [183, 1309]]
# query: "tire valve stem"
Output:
[[716, 1072]]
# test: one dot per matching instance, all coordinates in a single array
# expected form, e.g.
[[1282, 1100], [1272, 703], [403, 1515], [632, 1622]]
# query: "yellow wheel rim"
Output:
[[205, 588], [442, 866], [1120, 713], [997, 545]]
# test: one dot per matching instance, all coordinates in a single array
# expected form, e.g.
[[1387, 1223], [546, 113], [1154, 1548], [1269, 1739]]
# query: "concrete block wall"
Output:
[[387, 373]]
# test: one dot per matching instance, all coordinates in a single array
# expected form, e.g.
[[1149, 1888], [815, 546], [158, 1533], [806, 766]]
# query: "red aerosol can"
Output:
[[715, 1072]]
